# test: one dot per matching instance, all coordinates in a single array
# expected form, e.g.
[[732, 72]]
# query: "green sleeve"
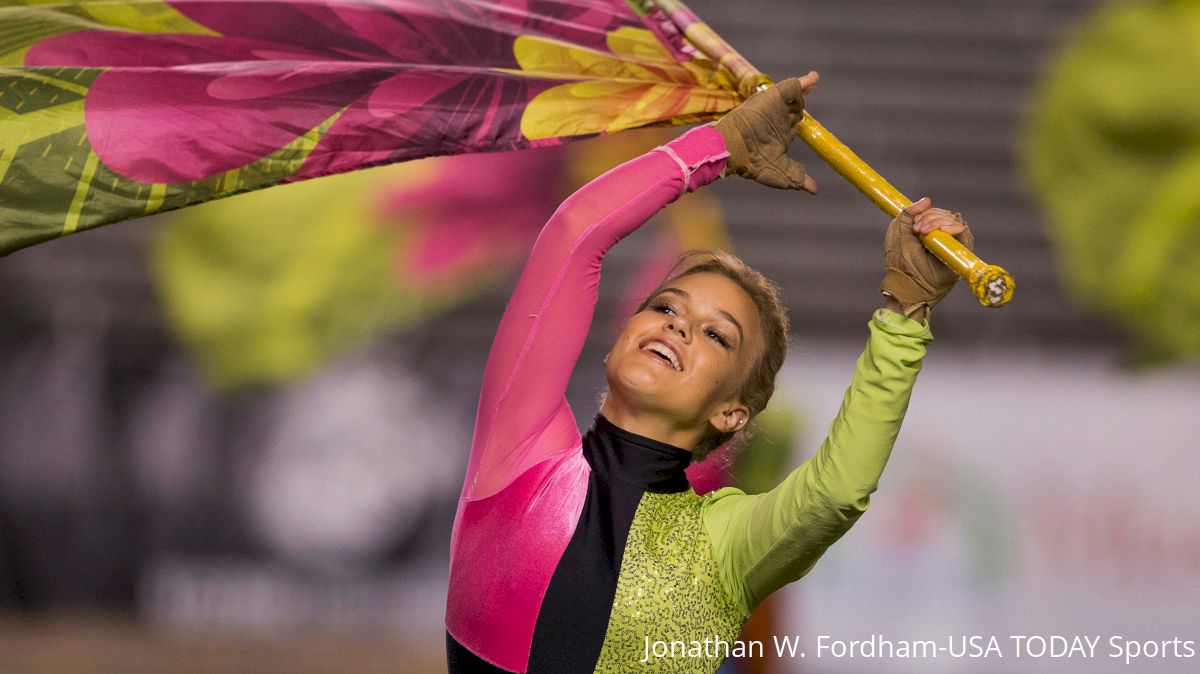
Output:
[[765, 541]]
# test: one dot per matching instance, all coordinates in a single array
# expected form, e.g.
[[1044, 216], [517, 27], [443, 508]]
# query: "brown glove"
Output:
[[915, 277], [757, 134]]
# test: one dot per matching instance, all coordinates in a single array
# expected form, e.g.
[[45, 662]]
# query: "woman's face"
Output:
[[686, 354]]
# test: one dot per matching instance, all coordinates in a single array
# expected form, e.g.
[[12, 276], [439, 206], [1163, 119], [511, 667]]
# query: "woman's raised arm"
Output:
[[765, 541], [523, 415]]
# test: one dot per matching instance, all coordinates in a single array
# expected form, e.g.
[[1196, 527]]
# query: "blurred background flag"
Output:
[[271, 285], [114, 110], [1111, 149]]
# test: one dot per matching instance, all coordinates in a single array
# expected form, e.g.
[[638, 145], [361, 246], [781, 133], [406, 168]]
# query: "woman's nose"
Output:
[[677, 324]]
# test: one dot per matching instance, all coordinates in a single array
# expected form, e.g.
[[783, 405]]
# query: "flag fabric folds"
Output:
[[117, 109]]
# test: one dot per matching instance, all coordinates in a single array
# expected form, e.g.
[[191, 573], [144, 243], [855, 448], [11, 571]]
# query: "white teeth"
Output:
[[664, 351]]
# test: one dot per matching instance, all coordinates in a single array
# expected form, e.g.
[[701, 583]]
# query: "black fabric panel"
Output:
[[574, 615], [573, 619], [459, 660]]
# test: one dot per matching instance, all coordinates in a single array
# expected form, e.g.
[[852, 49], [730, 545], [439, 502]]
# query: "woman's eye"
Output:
[[718, 338], [663, 308]]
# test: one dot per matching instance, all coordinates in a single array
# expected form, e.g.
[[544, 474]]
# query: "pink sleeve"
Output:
[[523, 415]]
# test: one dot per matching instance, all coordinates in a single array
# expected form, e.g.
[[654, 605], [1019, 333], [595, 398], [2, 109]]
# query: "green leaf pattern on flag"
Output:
[[45, 138]]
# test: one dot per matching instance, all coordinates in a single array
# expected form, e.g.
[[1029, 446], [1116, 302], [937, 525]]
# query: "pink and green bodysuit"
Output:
[[569, 551]]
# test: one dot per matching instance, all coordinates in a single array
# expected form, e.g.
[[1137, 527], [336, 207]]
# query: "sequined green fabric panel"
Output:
[[669, 591]]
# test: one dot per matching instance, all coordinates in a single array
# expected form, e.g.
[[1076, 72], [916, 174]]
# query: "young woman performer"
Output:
[[580, 554]]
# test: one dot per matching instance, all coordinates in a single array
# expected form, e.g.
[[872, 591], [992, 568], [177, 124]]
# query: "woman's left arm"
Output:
[[764, 541]]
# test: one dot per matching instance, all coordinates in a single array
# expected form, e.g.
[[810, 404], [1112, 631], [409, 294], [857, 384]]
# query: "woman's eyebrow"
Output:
[[724, 314]]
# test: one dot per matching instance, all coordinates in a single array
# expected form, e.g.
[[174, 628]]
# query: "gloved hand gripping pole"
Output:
[[992, 285]]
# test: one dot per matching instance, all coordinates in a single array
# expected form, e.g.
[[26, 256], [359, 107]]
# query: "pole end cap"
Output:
[[992, 285]]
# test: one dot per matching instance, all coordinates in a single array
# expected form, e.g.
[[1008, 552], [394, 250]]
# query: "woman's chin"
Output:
[[641, 386], [647, 396], [648, 376]]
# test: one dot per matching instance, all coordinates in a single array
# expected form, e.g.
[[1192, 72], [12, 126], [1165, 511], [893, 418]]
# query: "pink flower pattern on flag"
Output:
[[153, 105]]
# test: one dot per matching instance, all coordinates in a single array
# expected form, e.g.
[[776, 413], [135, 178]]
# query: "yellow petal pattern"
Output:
[[638, 84]]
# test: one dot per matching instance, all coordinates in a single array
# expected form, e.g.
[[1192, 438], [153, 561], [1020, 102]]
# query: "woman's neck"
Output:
[[653, 426]]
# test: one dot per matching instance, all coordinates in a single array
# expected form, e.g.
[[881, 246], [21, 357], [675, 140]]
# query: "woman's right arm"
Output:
[[523, 415]]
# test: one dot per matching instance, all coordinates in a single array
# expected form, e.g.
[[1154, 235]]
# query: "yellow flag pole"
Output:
[[992, 285]]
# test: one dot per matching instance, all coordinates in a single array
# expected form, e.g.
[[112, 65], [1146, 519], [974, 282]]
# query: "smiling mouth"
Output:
[[663, 352]]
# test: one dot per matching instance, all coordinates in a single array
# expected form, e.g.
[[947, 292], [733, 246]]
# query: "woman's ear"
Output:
[[730, 417]]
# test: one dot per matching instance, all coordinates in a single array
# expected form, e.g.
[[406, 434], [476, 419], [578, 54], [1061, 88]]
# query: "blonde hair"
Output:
[[759, 383]]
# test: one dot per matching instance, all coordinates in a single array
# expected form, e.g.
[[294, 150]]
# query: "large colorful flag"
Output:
[[116, 109]]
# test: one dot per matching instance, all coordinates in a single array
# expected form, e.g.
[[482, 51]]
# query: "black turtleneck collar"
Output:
[[618, 454]]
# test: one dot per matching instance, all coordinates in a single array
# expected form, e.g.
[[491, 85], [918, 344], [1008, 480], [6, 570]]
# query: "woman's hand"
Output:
[[916, 280], [757, 134]]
